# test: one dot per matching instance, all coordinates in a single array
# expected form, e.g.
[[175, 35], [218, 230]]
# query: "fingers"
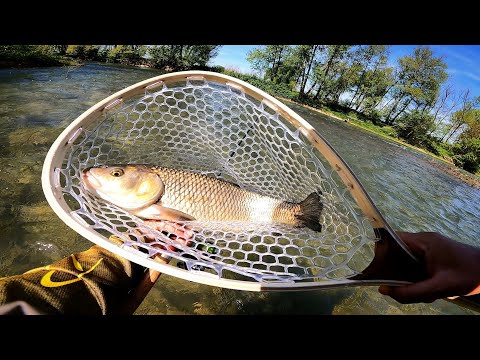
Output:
[[176, 229], [452, 268], [177, 232], [424, 291]]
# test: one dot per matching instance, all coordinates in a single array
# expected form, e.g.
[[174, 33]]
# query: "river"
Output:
[[37, 104]]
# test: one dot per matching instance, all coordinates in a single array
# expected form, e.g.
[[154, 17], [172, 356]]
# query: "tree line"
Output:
[[410, 100], [167, 57]]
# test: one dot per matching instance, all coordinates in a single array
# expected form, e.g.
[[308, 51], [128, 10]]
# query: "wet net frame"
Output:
[[223, 127]]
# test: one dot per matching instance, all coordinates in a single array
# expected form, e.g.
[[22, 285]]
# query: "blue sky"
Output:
[[463, 61]]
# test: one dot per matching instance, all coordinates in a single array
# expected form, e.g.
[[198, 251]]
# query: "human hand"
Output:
[[176, 231], [453, 269]]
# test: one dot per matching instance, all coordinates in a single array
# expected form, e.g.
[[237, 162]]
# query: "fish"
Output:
[[160, 193]]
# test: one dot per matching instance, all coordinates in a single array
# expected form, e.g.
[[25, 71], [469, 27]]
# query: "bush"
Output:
[[439, 148], [389, 130], [414, 128], [375, 116], [83, 52], [308, 101], [28, 55], [467, 155], [75, 50], [217, 68], [182, 57], [282, 90], [352, 115], [102, 55], [125, 54]]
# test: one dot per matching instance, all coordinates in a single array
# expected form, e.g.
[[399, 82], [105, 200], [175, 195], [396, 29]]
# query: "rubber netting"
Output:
[[220, 131]]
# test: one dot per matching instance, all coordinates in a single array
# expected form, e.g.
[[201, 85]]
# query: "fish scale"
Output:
[[206, 198]]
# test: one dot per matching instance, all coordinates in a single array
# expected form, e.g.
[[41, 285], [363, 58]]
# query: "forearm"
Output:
[[94, 281]]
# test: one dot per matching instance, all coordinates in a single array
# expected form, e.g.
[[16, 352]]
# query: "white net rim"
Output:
[[53, 193]]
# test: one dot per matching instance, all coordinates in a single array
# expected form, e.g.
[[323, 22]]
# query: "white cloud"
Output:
[[455, 54], [464, 73]]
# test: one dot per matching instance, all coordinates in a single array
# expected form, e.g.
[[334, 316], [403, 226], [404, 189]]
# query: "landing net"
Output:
[[218, 126]]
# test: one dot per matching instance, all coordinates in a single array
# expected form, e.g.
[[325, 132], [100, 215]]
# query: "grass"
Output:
[[382, 131], [385, 132]]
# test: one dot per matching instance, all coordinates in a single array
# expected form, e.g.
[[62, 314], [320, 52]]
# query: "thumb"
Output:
[[423, 291]]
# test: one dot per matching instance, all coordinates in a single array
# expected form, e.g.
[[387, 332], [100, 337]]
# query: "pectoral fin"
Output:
[[158, 212]]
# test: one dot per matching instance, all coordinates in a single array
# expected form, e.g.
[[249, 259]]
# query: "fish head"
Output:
[[130, 187]]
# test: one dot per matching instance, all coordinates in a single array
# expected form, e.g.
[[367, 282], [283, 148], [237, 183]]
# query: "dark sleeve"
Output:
[[94, 281]]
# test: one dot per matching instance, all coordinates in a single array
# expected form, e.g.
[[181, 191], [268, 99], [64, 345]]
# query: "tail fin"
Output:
[[311, 208]]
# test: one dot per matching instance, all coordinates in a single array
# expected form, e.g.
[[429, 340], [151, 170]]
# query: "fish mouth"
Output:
[[90, 181]]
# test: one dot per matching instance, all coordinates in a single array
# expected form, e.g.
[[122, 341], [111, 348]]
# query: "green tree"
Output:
[[199, 55], [291, 69], [467, 154], [83, 52], [303, 57], [182, 57], [60, 49], [443, 108], [163, 56], [466, 147], [127, 54], [268, 59], [414, 127], [327, 72], [472, 131], [28, 55], [375, 86], [346, 76], [461, 118], [418, 80], [370, 60]]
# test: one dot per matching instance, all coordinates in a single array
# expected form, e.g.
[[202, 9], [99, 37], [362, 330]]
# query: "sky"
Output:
[[463, 61]]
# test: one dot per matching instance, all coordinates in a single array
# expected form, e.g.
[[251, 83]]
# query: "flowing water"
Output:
[[37, 104]]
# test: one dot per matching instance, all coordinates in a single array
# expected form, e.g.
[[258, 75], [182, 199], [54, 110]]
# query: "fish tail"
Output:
[[310, 210]]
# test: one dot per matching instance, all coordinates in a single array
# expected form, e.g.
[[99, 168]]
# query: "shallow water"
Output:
[[37, 104]]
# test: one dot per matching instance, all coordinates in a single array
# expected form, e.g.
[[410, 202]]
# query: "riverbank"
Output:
[[436, 161], [445, 164], [35, 63]]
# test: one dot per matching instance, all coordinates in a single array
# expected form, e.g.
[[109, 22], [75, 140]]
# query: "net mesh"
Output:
[[217, 130]]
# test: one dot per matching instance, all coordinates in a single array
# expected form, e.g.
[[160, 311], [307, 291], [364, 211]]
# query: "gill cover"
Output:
[[130, 187]]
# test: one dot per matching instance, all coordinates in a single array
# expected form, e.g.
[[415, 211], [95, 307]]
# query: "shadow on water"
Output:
[[175, 296], [4, 148], [315, 303]]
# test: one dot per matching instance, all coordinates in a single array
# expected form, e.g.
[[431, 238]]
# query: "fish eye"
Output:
[[117, 172]]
